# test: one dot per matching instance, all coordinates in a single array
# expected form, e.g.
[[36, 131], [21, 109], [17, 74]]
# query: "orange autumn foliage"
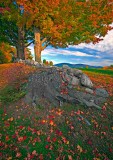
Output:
[[105, 67], [6, 53], [108, 67]]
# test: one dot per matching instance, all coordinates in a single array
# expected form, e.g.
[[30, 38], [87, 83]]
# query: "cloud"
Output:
[[100, 63], [55, 52]]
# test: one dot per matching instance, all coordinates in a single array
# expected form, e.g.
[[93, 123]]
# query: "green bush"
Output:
[[11, 94], [44, 61]]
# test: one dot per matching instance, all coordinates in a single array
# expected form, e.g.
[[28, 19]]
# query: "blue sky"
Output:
[[100, 54]]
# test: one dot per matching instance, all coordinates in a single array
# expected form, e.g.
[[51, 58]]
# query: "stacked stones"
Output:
[[76, 77], [32, 63], [45, 88]]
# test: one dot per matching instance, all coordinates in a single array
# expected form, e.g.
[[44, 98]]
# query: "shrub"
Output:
[[44, 61], [47, 63], [51, 63]]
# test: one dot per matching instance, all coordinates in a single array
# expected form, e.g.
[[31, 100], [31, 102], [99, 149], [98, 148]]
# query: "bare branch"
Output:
[[45, 39], [29, 43]]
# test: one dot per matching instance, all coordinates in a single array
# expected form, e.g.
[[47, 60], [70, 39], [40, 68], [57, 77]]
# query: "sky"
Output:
[[100, 54]]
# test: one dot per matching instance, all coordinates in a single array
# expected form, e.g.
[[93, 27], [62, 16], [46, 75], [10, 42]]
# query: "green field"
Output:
[[101, 71]]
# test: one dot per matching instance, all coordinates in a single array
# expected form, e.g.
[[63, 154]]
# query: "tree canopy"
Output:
[[69, 20], [61, 23]]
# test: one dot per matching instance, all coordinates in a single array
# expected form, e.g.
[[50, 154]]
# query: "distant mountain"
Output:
[[76, 65]]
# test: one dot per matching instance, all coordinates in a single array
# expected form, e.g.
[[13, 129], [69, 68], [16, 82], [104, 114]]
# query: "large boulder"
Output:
[[66, 77], [74, 72], [85, 81], [77, 73], [88, 90], [36, 63], [101, 92], [75, 81], [28, 61]]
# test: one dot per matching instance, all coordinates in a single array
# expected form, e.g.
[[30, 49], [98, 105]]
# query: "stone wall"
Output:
[[56, 86]]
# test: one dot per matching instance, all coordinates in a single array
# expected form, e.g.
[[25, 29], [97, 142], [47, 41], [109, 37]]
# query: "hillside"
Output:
[[77, 65]]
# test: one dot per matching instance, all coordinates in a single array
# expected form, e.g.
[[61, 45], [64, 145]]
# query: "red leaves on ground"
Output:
[[51, 117], [13, 73], [22, 138], [21, 127], [51, 123], [59, 133], [18, 155], [7, 138], [89, 142], [110, 150], [54, 139]]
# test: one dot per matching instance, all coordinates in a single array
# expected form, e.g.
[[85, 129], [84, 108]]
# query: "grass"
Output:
[[11, 94], [49, 133], [101, 71]]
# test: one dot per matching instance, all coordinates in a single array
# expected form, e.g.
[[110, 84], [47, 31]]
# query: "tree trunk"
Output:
[[20, 46], [20, 52], [37, 46]]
